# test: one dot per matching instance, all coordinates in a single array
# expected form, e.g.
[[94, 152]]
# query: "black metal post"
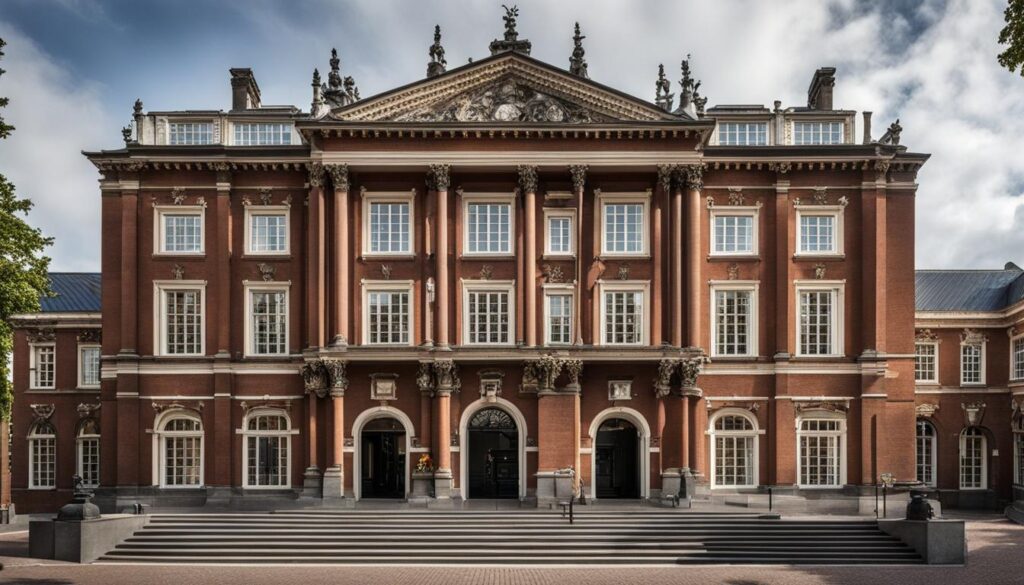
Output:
[[571, 499], [876, 501], [885, 503], [770, 503]]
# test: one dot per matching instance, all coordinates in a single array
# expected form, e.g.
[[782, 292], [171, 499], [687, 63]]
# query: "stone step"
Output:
[[391, 559]]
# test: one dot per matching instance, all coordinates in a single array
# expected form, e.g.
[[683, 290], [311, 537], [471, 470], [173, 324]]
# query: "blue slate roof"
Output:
[[969, 290], [75, 292]]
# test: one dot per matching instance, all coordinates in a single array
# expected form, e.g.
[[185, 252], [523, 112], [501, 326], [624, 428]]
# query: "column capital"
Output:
[[439, 177], [665, 172], [528, 178], [693, 176], [579, 176], [316, 175], [339, 176]]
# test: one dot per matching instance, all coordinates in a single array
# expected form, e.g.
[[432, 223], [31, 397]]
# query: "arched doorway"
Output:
[[382, 459], [616, 459], [493, 458]]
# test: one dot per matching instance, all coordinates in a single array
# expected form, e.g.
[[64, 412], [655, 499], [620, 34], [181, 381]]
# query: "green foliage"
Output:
[[1012, 36], [23, 268]]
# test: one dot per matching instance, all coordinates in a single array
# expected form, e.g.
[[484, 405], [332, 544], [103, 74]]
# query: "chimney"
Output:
[[245, 94], [867, 127], [819, 95]]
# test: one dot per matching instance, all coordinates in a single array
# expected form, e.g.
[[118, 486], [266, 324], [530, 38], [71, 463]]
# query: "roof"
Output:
[[74, 292], [969, 290]]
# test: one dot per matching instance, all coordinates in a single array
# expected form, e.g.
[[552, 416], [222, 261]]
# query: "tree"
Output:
[[1012, 35], [23, 267]]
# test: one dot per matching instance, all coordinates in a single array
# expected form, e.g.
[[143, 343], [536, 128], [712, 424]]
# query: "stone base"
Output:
[[312, 483], [334, 483], [939, 542], [442, 484], [554, 486], [83, 541], [1015, 512]]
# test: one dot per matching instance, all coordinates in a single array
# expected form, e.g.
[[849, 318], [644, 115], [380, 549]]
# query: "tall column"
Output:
[[694, 291], [222, 438], [784, 242], [311, 483], [445, 375], [129, 472], [438, 181], [339, 179], [315, 252], [579, 180], [222, 257], [129, 272], [677, 264], [528, 185], [334, 475], [425, 384], [661, 192]]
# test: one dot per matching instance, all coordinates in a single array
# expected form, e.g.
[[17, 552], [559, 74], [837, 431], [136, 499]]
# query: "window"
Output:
[[88, 366], [1017, 349], [973, 460], [822, 443], [180, 331], [42, 457], [190, 133], [180, 230], [388, 221], [926, 361], [43, 366], [89, 453], [559, 226], [388, 313], [818, 133], [972, 363], [181, 452], [489, 225], [733, 451], [735, 320], [926, 453], [267, 232], [624, 225], [267, 450], [489, 314], [262, 133], [268, 325], [819, 231], [819, 329], [743, 133], [734, 233], [558, 308], [623, 312]]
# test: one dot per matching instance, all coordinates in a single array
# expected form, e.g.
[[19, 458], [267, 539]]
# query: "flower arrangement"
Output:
[[425, 464]]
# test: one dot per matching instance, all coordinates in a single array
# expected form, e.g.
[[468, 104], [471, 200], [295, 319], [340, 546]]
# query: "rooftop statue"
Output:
[[577, 62], [438, 63], [511, 41], [510, 22], [662, 88]]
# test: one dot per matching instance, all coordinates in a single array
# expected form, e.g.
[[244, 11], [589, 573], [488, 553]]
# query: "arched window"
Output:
[[267, 450], [181, 451], [88, 448], [973, 460], [1018, 450], [821, 460], [42, 457], [926, 450], [733, 450]]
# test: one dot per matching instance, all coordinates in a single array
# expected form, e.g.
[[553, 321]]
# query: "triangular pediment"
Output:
[[506, 89]]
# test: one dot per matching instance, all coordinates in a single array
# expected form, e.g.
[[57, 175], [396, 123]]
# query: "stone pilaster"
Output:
[[341, 326], [528, 186], [438, 181]]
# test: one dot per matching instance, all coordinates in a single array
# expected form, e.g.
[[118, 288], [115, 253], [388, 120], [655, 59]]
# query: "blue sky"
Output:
[[75, 67]]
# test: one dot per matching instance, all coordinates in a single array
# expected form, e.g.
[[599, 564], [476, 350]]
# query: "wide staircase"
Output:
[[507, 537]]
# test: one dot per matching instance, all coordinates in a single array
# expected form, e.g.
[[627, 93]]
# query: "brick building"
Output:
[[463, 287]]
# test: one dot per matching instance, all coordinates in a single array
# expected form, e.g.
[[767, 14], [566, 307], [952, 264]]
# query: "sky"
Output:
[[74, 68]]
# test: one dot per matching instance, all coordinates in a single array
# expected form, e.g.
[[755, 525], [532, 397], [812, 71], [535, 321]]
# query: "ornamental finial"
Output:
[[334, 78], [137, 109], [510, 22], [662, 96], [437, 61], [689, 88], [577, 62], [511, 40]]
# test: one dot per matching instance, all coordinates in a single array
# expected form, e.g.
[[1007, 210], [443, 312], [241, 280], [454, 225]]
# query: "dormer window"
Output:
[[190, 133], [818, 132], [262, 133], [743, 133]]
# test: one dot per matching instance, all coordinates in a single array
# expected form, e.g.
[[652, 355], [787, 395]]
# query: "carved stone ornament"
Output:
[[553, 273], [246, 202], [447, 375], [383, 387], [663, 383], [694, 176], [490, 384], [548, 368], [665, 174], [201, 201], [439, 177], [577, 61], [285, 405], [927, 335], [820, 196], [321, 376], [620, 390], [266, 271], [336, 372], [43, 335], [819, 271], [733, 271], [579, 177], [528, 178], [736, 196], [164, 405], [265, 195], [339, 176], [177, 272], [438, 63], [973, 336], [41, 412], [531, 376], [662, 88], [689, 369], [826, 405], [86, 410], [177, 195], [573, 369], [316, 175], [926, 409], [623, 273], [385, 271], [93, 335], [974, 412], [781, 168], [486, 272], [425, 378], [881, 169]]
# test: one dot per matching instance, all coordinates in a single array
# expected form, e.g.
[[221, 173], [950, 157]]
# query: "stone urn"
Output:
[[918, 508]]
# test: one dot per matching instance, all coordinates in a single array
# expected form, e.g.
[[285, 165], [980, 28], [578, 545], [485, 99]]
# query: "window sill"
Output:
[[736, 358], [43, 489], [832, 257], [565, 257], [380, 256], [613, 256], [266, 255], [179, 254], [494, 256], [974, 386], [733, 257]]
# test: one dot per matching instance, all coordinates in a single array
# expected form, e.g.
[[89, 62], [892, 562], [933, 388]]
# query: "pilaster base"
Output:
[[442, 484], [678, 482], [312, 483], [334, 483], [554, 486]]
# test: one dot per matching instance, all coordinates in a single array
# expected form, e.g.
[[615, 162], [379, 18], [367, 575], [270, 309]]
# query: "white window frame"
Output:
[[265, 210], [933, 451], [81, 366], [285, 129], [255, 286], [754, 434], [1014, 363], [751, 211], [641, 286], [286, 433], [604, 199], [754, 288], [506, 286], [213, 124], [837, 326], [33, 366], [984, 459], [406, 286], [982, 362], [33, 437], [160, 231], [935, 372], [719, 127], [369, 198], [552, 213], [559, 289], [160, 287], [160, 437], [837, 212], [841, 446], [489, 198], [80, 440], [842, 137]]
